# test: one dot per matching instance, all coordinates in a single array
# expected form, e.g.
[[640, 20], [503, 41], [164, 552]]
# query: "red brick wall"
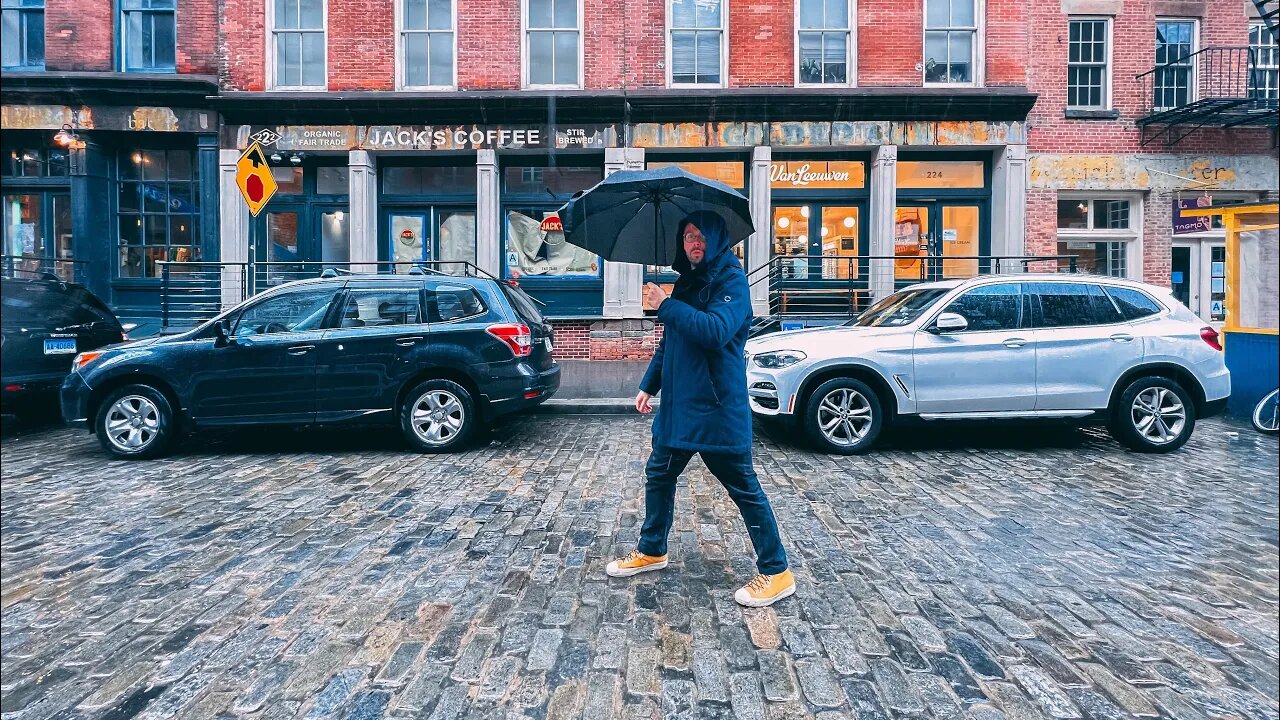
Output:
[[79, 36], [197, 50], [761, 43], [243, 44], [605, 339], [488, 44], [362, 45], [1007, 40], [890, 43]]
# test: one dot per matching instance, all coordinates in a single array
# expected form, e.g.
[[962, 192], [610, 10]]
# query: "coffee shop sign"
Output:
[[458, 138]]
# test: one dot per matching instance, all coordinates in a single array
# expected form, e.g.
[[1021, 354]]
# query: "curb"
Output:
[[589, 406]]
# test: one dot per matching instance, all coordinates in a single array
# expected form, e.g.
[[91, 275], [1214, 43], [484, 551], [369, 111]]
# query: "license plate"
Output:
[[548, 342], [60, 346]]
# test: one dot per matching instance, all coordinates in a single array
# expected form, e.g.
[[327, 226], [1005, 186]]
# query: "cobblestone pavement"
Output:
[[959, 573]]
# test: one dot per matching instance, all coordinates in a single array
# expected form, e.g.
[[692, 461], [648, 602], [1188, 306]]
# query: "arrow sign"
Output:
[[254, 179]]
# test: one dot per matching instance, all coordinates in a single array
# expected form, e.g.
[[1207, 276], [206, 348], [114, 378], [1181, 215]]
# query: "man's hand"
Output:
[[642, 403], [654, 295]]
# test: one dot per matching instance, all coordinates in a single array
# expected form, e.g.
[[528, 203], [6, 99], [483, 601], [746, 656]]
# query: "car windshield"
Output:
[[900, 308]]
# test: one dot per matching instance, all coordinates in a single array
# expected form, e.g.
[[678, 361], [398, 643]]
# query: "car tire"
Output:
[[438, 416], [1153, 415], [849, 410], [135, 422]]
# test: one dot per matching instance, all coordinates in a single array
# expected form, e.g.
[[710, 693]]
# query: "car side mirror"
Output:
[[949, 323], [222, 333]]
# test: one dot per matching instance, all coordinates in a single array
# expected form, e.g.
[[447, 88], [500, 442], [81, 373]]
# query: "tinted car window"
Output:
[[291, 312], [1133, 304], [994, 307], [451, 302], [38, 302], [373, 308], [1073, 304], [524, 305]]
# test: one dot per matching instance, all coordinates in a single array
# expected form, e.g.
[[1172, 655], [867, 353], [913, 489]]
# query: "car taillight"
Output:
[[1210, 336], [517, 337]]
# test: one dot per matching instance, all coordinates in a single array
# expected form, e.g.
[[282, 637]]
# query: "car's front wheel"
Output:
[[1153, 415], [438, 416], [843, 416], [135, 422]]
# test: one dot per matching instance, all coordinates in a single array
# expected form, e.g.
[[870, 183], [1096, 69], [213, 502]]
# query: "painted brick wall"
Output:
[[197, 50], [79, 36]]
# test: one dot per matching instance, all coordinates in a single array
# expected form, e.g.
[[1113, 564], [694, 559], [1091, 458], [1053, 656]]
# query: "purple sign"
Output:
[[1181, 225]]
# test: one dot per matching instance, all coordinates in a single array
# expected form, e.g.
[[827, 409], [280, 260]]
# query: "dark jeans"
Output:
[[734, 471]]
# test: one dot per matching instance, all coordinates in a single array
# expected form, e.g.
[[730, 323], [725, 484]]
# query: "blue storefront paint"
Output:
[[1254, 361]]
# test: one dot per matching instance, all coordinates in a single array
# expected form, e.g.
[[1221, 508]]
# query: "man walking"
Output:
[[699, 368]]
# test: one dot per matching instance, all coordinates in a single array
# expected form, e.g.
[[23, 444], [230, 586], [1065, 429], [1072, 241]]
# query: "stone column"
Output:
[[759, 245], [234, 223], [623, 282], [1009, 206], [488, 221], [363, 210], [884, 200]]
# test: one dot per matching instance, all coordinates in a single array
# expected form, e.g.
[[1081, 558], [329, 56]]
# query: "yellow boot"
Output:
[[634, 563], [765, 590]]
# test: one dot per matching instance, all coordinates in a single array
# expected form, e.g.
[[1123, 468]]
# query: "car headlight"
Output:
[[779, 359]]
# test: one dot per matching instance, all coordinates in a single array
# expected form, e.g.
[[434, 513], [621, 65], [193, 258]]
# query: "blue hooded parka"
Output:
[[699, 366]]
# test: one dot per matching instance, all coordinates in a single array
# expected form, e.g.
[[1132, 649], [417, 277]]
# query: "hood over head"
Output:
[[718, 243]]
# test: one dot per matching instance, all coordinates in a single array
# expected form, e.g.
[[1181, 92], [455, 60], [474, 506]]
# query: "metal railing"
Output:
[[31, 267], [1213, 76], [193, 292]]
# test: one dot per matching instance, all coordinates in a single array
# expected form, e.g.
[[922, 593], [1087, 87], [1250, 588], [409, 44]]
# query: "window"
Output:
[[552, 40], [1072, 305], [1099, 233], [35, 162], [149, 35], [697, 42], [23, 36], [374, 308], [994, 307], [158, 215], [1175, 42], [427, 43], [531, 250], [951, 174], [823, 39], [453, 302], [1088, 55], [1264, 82], [1133, 304], [900, 308], [298, 38], [332, 180], [554, 180], [950, 41], [296, 311]]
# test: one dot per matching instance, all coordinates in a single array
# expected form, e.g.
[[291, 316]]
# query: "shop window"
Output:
[[1264, 81], [552, 43], [298, 40], [1175, 42], [817, 175], [950, 41], [427, 43], [149, 35], [1098, 232], [1088, 55], [824, 39], [731, 173], [158, 210], [537, 247], [697, 42], [23, 36], [288, 180], [947, 174], [332, 181], [555, 180], [35, 162], [429, 180]]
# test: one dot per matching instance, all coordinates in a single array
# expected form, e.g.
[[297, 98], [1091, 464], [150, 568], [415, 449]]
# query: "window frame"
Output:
[[431, 305], [525, 31], [23, 9], [1271, 89], [724, 47], [1193, 75], [122, 39], [271, 33], [402, 54], [1131, 237], [851, 47], [1107, 63], [978, 52], [141, 213]]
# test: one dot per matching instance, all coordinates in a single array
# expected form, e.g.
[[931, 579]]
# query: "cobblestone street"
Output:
[[974, 572]]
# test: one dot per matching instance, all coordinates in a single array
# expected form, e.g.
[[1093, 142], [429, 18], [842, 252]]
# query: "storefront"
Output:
[[943, 211]]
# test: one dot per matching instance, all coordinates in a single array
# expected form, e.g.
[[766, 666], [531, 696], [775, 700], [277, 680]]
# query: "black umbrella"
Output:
[[633, 215]]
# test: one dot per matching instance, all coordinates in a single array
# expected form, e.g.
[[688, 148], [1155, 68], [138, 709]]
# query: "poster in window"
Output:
[[407, 242], [543, 252]]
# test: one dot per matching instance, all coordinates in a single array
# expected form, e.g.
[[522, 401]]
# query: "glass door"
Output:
[[927, 231], [822, 258], [432, 234], [278, 245], [37, 233]]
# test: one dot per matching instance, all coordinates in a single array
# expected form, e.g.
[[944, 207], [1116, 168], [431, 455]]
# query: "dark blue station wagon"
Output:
[[436, 354]]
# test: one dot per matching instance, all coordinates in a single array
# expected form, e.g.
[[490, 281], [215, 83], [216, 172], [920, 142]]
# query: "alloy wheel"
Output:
[[844, 417], [1158, 415], [438, 417], [132, 423]]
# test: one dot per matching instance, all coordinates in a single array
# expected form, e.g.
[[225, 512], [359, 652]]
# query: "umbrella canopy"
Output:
[[633, 215]]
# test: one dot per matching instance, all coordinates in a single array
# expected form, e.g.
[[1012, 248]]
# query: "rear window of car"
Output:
[[453, 302], [1133, 304], [525, 306], [1070, 304], [52, 303]]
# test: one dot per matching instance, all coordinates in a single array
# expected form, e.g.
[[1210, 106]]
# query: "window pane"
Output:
[[941, 174], [332, 181], [441, 49], [961, 56], [335, 238], [181, 232], [683, 58], [540, 13], [179, 164], [708, 57], [834, 57], [566, 13], [811, 57], [155, 229], [962, 13], [440, 15], [1073, 214], [1133, 304], [311, 15], [153, 165], [1111, 214], [288, 180], [557, 180], [313, 59], [415, 59], [134, 52], [935, 57], [683, 13], [451, 302], [530, 251], [937, 13], [288, 59], [708, 13], [428, 180], [1072, 304], [837, 14], [286, 14], [732, 174], [33, 23], [291, 312], [163, 35], [372, 308], [996, 307], [11, 48], [540, 58], [129, 197], [415, 14], [566, 58], [811, 14]]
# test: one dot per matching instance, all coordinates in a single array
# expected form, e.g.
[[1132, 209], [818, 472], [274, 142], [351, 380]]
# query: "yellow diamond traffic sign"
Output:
[[253, 176]]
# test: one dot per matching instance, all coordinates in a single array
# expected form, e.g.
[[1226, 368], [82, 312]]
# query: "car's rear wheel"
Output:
[[843, 416], [438, 416], [1153, 415], [135, 422]]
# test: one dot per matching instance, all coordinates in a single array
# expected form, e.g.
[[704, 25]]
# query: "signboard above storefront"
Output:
[[106, 117], [424, 137], [1186, 225], [817, 175]]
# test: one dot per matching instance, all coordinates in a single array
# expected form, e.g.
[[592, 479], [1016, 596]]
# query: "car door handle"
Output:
[[1014, 342], [301, 349], [1122, 337], [408, 341]]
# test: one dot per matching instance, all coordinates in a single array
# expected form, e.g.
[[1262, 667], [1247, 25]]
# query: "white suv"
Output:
[[999, 346]]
